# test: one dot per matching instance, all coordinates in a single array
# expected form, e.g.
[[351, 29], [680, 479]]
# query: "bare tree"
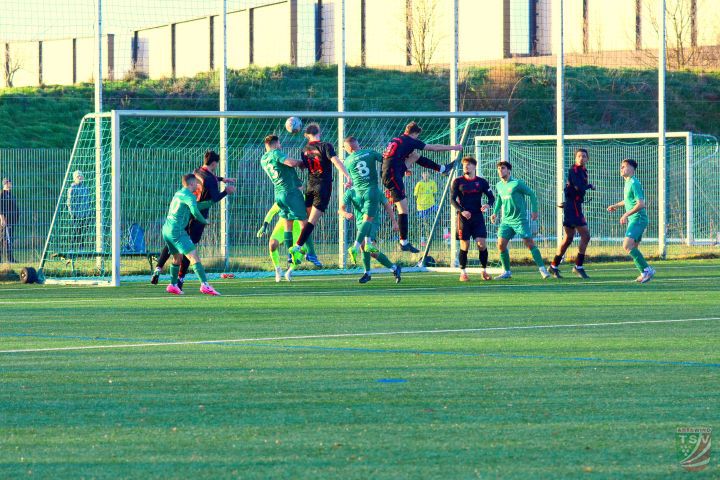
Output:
[[12, 65], [423, 36], [681, 25]]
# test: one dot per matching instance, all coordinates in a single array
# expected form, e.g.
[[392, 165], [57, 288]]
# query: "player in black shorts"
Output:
[[466, 196], [573, 216], [395, 164], [318, 157], [209, 190]]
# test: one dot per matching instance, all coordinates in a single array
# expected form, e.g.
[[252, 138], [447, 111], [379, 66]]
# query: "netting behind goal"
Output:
[[155, 149], [692, 196]]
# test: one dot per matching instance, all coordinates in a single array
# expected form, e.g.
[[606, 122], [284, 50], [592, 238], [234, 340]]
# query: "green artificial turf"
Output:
[[326, 378]]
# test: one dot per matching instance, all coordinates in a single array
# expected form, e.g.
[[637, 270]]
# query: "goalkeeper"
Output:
[[183, 206], [276, 237]]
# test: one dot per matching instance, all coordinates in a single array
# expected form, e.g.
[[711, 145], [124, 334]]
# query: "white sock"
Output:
[[442, 168], [462, 270], [404, 242]]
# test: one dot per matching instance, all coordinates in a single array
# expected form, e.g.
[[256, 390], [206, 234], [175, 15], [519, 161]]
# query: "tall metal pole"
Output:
[[98, 133], [662, 160], [224, 205], [454, 58], [115, 196], [559, 117], [340, 59]]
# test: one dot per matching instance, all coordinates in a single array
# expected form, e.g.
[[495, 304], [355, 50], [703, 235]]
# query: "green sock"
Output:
[[384, 260], [200, 272], [275, 257], [310, 245], [537, 257], [366, 261], [288, 240], [505, 260], [174, 270], [363, 232], [638, 259]]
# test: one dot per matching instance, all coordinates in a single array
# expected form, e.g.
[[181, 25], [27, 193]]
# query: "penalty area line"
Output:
[[354, 335]]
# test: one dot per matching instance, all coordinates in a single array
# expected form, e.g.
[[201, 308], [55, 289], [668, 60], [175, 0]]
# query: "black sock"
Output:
[[403, 221], [184, 266], [427, 163], [163, 258], [484, 258], [580, 259], [463, 258], [305, 233], [556, 261]]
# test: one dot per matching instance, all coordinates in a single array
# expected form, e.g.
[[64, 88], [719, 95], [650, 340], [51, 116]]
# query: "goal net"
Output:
[[693, 188], [126, 166]]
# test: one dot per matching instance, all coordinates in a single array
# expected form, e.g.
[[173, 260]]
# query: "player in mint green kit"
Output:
[[176, 237], [277, 237], [281, 170], [353, 199], [635, 217], [511, 193]]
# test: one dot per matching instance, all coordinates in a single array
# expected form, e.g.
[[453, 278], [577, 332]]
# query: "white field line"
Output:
[[193, 297], [355, 335]]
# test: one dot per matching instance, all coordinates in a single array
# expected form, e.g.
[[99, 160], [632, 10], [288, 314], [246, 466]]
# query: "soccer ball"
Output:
[[293, 124]]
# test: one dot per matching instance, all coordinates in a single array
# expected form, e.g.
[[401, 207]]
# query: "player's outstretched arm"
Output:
[[291, 162], [435, 147]]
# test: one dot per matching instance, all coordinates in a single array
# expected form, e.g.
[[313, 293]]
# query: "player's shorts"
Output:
[[394, 185], [427, 213], [472, 228], [292, 206], [573, 215], [318, 195], [373, 231], [509, 230], [177, 242], [278, 233], [635, 229], [369, 201]]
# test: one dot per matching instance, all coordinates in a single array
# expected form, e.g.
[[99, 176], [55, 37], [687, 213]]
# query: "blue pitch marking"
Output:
[[375, 350]]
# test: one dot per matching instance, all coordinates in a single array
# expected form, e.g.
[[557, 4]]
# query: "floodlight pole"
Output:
[[662, 159], [98, 134], [454, 58], [340, 60], [559, 119], [222, 87]]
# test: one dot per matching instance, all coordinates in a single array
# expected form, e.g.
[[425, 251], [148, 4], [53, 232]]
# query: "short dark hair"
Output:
[[270, 139], [469, 159], [630, 162], [211, 157], [187, 178], [350, 139], [412, 127], [504, 163], [583, 151], [312, 129]]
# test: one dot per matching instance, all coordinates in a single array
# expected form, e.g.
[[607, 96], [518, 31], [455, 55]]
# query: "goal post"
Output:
[[146, 152]]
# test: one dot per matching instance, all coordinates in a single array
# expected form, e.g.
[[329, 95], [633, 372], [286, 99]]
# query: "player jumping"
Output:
[[466, 196], [276, 237], [176, 238], [319, 158], [281, 170], [394, 167]]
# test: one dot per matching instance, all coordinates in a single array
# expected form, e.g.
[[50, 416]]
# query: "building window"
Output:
[[522, 23]]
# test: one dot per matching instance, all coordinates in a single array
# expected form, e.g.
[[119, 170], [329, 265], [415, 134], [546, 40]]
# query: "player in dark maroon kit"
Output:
[[573, 217], [466, 196], [318, 157], [398, 154]]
